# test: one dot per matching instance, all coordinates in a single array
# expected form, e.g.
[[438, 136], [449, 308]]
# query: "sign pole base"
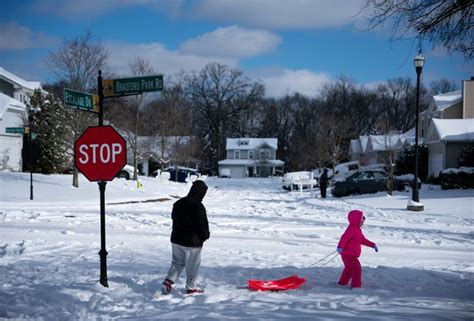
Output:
[[103, 252]]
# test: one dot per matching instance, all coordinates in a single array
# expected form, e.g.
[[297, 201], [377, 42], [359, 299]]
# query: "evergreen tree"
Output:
[[466, 156], [52, 136], [405, 163]]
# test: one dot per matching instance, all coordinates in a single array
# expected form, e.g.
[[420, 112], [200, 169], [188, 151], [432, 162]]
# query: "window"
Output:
[[236, 154], [243, 142], [379, 175], [251, 154], [264, 154]]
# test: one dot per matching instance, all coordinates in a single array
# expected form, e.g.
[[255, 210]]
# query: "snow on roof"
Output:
[[251, 143], [250, 162], [7, 102], [443, 101], [454, 129], [32, 85], [384, 142]]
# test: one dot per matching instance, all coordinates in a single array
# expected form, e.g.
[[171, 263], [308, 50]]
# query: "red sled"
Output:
[[289, 283]]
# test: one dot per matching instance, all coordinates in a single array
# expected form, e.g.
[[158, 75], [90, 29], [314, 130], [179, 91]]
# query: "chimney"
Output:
[[468, 98]]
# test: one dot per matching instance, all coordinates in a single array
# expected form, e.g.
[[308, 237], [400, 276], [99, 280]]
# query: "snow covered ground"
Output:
[[49, 262]]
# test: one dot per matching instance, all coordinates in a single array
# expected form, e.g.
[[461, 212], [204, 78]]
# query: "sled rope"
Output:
[[333, 254]]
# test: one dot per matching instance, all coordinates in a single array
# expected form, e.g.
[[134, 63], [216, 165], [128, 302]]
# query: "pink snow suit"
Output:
[[350, 243]]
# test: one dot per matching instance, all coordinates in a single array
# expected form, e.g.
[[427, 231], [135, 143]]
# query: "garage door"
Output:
[[436, 164]]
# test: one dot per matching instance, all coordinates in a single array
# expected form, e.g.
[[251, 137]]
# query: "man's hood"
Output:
[[198, 190]]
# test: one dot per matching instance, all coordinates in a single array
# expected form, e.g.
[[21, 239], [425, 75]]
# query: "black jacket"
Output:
[[190, 225], [323, 180]]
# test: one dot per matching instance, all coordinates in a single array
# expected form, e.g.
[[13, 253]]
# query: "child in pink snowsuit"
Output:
[[350, 246]]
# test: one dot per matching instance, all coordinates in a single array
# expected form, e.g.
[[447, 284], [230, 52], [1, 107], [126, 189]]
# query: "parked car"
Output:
[[368, 181], [343, 168], [182, 174], [126, 172], [293, 180]]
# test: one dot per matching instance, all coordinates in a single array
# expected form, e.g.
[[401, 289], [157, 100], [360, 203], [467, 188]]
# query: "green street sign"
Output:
[[14, 130], [80, 100], [132, 86]]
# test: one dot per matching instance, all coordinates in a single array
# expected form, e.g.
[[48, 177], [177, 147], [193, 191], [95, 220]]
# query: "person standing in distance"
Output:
[[323, 182], [190, 231]]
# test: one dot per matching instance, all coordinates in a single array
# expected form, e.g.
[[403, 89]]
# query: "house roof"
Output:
[[386, 142], [454, 129], [32, 85], [443, 101], [250, 162], [7, 102], [251, 143]]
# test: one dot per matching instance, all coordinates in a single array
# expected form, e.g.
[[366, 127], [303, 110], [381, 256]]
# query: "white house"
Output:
[[445, 139], [448, 126], [374, 149], [249, 157], [445, 127], [14, 95]]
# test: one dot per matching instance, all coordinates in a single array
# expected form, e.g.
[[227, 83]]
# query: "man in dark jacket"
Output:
[[190, 230], [323, 182]]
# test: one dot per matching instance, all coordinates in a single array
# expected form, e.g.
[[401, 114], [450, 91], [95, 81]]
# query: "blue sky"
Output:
[[291, 46]]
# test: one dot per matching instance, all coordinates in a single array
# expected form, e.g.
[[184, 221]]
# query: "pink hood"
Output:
[[355, 217], [352, 238]]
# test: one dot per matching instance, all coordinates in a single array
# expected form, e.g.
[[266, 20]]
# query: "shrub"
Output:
[[454, 178], [466, 156]]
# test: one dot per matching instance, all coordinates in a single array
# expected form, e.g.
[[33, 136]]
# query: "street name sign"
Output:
[[100, 153], [132, 86], [14, 130], [80, 100]]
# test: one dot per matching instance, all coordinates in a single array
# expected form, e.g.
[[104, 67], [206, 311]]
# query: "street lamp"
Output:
[[414, 204], [31, 112]]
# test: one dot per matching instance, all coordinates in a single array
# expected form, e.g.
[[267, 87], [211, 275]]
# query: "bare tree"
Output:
[[441, 86], [127, 113], [170, 117], [220, 94], [445, 23], [76, 64], [339, 119]]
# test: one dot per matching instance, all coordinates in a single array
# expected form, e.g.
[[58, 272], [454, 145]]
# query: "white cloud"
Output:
[[232, 41], [279, 82], [15, 37], [280, 14], [163, 60]]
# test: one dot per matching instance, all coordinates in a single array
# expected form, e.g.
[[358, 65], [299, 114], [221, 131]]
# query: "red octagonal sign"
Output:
[[100, 153]]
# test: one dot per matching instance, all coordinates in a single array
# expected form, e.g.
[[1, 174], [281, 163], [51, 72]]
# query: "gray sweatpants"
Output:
[[185, 257]]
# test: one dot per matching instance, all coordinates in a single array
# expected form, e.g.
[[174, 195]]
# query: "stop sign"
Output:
[[100, 153]]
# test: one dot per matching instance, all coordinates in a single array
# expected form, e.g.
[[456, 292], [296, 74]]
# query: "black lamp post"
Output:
[[415, 204], [31, 113]]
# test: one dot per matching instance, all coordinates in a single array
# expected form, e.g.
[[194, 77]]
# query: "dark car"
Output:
[[182, 174], [368, 181]]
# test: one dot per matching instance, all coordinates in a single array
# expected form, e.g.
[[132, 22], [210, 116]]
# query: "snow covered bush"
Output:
[[454, 178]]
